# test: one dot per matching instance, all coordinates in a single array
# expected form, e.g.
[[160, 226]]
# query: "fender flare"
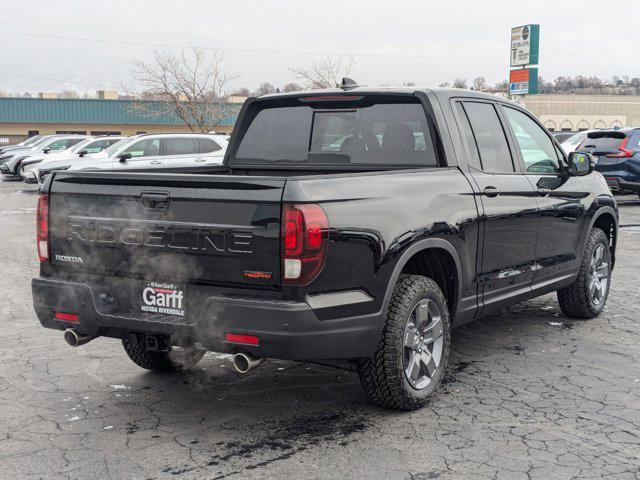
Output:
[[601, 211], [414, 248]]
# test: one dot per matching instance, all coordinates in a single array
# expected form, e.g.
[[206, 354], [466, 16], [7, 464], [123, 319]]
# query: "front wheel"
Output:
[[409, 363], [175, 359], [586, 297]]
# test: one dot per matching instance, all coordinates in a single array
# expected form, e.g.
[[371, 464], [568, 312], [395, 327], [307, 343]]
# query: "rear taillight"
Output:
[[305, 232], [623, 152], [66, 317], [242, 338], [42, 227]]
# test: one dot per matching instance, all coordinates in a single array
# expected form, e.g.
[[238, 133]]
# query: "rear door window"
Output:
[[181, 146], [360, 133], [489, 137], [465, 128], [207, 145]]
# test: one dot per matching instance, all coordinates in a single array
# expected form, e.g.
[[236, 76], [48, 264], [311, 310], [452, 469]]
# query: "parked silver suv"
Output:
[[89, 146], [55, 143], [178, 152]]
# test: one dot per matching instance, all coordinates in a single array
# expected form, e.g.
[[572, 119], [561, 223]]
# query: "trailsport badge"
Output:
[[163, 298]]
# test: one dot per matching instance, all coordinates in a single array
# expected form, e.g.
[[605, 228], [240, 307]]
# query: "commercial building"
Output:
[[573, 113], [22, 117]]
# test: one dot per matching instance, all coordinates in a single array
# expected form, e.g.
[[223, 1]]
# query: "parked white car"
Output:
[[571, 143], [177, 152], [86, 147]]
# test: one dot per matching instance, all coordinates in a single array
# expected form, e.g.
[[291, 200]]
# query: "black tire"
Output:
[[173, 360], [576, 300], [383, 376]]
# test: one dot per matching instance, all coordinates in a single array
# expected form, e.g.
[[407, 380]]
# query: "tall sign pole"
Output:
[[525, 52]]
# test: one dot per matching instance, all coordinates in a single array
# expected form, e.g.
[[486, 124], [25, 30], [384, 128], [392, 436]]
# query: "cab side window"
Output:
[[465, 129], [489, 137], [97, 146], [536, 147], [61, 144], [144, 148]]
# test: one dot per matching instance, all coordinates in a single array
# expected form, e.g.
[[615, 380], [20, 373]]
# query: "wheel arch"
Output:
[[414, 257], [607, 220]]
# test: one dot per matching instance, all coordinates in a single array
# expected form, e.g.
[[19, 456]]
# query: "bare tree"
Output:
[[241, 92], [325, 72], [68, 94], [460, 83], [190, 84], [444, 84], [291, 87], [502, 86], [265, 88], [480, 83]]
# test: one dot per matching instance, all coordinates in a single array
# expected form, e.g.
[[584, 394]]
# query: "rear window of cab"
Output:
[[329, 131]]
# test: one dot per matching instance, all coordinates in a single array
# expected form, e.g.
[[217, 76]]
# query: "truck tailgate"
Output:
[[185, 228]]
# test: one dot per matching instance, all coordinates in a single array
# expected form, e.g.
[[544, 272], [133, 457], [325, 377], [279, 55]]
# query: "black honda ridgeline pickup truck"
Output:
[[345, 225]]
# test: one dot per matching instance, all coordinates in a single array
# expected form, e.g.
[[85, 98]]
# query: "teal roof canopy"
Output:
[[93, 111]]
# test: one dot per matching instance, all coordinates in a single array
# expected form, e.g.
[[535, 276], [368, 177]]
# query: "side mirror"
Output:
[[47, 150], [124, 157], [581, 163], [82, 153]]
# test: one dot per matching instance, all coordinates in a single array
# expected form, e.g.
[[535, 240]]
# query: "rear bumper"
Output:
[[286, 330]]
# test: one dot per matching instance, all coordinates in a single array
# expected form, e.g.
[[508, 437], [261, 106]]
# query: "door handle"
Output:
[[200, 160], [155, 162], [491, 191], [543, 191], [155, 200]]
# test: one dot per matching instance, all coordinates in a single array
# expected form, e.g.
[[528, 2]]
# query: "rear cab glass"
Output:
[[356, 131]]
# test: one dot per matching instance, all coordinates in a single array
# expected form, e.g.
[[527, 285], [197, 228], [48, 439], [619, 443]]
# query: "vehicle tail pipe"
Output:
[[74, 339], [245, 362]]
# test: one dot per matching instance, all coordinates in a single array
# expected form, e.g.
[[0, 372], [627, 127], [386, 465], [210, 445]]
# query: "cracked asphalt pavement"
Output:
[[529, 395]]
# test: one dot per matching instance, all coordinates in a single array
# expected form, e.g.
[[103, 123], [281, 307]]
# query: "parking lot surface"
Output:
[[529, 394]]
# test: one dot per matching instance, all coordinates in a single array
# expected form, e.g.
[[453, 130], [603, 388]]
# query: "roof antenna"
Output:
[[348, 83]]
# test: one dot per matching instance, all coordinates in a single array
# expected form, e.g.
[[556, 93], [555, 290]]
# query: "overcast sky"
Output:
[[87, 45]]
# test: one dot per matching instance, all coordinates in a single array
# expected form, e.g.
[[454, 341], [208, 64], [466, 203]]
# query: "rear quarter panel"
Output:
[[374, 218]]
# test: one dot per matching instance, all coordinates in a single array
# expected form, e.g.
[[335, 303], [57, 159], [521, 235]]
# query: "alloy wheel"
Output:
[[423, 344], [598, 275]]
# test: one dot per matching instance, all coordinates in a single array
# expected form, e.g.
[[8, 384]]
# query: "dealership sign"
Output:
[[525, 45], [523, 81]]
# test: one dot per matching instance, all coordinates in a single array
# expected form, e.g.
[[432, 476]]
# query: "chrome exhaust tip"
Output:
[[245, 362], [74, 339]]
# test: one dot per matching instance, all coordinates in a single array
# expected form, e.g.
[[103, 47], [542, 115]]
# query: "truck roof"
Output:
[[440, 92]]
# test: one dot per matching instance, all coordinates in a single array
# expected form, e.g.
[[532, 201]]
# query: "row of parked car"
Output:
[[617, 152], [33, 159]]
